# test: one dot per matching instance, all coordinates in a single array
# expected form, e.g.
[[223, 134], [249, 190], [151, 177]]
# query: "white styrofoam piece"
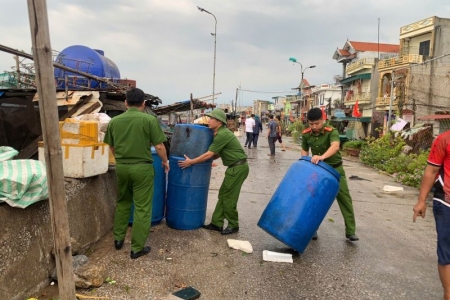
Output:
[[82, 161], [244, 246], [277, 257], [391, 188]]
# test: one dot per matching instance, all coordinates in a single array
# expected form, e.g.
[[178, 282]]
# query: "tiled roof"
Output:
[[363, 46], [305, 84], [343, 52]]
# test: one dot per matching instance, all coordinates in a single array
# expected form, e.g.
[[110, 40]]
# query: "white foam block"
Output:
[[391, 188], [277, 257], [244, 246]]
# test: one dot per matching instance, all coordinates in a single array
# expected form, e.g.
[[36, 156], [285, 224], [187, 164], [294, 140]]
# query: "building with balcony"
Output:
[[360, 76], [301, 103], [358, 63], [417, 78]]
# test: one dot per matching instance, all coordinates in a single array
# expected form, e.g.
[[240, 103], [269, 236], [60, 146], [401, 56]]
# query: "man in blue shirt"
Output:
[[272, 135]]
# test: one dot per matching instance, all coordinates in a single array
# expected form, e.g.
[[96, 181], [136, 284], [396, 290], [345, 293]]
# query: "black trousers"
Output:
[[272, 141], [255, 139], [249, 139]]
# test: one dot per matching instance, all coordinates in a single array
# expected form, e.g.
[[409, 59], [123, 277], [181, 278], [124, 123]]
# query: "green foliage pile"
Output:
[[296, 130], [386, 155], [357, 144]]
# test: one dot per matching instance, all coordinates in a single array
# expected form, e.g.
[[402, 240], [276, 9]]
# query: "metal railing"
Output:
[[362, 98], [360, 64]]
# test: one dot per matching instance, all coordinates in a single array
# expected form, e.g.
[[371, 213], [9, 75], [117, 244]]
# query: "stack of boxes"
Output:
[[83, 154]]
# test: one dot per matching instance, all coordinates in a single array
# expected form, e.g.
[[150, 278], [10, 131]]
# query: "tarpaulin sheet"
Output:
[[22, 182]]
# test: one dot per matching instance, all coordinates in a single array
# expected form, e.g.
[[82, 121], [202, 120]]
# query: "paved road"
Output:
[[394, 259]]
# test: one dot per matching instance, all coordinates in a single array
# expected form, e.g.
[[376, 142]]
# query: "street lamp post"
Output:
[[215, 39], [294, 60]]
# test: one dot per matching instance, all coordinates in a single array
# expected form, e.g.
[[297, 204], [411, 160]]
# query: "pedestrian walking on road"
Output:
[[256, 130], [227, 146], [437, 175], [324, 144], [279, 133], [249, 126], [272, 135], [130, 136]]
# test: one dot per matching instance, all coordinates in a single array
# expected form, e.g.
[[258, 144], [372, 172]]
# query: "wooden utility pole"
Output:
[[42, 53]]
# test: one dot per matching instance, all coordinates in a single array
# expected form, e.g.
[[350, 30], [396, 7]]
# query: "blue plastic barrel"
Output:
[[159, 191], [87, 60], [187, 194], [191, 140], [300, 203]]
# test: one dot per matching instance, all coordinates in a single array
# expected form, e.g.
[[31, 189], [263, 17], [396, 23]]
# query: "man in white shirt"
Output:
[[249, 125]]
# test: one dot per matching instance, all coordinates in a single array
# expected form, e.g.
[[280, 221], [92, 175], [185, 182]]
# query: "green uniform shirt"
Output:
[[227, 146], [319, 143], [132, 134]]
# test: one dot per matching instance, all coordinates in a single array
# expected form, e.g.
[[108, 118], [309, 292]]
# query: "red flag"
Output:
[[356, 112], [324, 114]]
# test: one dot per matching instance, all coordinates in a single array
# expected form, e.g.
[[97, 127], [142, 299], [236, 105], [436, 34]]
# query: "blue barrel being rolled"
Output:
[[191, 140], [300, 203], [159, 191], [187, 194]]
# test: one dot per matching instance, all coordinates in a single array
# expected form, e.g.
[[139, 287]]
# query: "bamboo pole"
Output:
[[42, 54]]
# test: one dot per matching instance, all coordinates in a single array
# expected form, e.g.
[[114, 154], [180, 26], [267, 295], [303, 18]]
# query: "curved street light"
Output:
[[215, 39], [294, 60]]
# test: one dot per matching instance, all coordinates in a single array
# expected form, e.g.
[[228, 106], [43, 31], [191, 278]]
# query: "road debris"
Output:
[[391, 188], [354, 177], [244, 246], [277, 257]]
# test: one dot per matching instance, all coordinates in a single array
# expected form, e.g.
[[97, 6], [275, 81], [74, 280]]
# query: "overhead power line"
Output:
[[267, 92]]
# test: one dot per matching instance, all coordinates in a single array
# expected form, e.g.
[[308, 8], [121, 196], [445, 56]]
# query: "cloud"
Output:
[[167, 46]]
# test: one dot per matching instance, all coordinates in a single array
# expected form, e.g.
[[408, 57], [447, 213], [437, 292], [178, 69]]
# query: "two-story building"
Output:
[[261, 107], [301, 102], [414, 85], [360, 77], [326, 97]]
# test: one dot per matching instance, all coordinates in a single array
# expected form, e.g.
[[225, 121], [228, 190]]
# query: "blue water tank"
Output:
[[159, 191], [87, 60], [300, 203], [191, 140], [187, 194]]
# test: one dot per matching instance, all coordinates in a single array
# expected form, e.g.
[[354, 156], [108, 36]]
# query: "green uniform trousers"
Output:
[[345, 203], [135, 184], [226, 207]]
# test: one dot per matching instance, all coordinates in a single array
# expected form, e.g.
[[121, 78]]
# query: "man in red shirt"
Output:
[[437, 175]]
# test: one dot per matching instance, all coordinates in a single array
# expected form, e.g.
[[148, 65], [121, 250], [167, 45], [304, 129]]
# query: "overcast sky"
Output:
[[167, 46]]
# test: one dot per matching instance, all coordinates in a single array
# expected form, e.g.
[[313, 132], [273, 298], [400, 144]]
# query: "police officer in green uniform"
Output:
[[130, 136], [226, 146], [324, 144]]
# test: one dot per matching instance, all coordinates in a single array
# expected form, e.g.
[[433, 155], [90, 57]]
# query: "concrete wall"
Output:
[[428, 88], [26, 239], [415, 42]]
